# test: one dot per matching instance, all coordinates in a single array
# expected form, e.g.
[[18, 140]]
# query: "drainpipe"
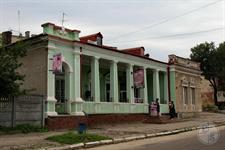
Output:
[[168, 77], [81, 61]]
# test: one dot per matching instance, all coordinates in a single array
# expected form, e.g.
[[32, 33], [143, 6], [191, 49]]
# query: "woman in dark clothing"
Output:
[[158, 106], [172, 110]]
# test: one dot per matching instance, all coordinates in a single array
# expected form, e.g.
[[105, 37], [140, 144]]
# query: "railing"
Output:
[[111, 107]]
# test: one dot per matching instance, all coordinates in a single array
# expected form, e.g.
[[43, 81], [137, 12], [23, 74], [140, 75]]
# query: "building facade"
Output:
[[186, 75], [102, 81]]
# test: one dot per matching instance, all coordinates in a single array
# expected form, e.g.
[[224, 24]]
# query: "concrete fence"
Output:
[[27, 109]]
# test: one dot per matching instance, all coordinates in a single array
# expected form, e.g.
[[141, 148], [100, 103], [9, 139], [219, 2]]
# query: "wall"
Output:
[[35, 69], [179, 93], [21, 110], [72, 122], [206, 92], [185, 73]]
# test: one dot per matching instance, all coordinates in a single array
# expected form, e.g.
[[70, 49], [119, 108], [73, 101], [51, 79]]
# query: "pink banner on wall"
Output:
[[139, 78], [57, 63]]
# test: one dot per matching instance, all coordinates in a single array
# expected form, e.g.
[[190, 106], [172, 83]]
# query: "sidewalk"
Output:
[[124, 130], [37, 140]]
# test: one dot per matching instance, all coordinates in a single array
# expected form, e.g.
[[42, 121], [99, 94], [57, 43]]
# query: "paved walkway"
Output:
[[124, 130], [37, 140]]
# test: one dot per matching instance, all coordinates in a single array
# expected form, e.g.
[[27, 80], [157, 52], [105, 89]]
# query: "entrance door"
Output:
[[60, 93], [60, 90]]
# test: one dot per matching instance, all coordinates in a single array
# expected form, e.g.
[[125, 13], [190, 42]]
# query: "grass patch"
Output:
[[74, 138], [23, 128]]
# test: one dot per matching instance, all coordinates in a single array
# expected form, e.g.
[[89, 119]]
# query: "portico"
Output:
[[100, 80]]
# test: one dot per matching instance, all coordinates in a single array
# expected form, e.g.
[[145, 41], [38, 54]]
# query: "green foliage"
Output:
[[23, 128], [205, 53], [210, 108], [73, 138], [10, 79], [220, 59], [212, 63]]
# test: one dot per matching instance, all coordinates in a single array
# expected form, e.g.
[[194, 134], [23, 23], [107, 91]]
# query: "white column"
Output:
[[114, 81], [156, 87], [130, 83], [145, 87], [95, 82], [51, 101], [76, 104], [70, 92], [77, 75]]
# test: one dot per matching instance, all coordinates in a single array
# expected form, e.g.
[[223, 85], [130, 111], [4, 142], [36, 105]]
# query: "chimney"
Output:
[[27, 34], [147, 55], [6, 38]]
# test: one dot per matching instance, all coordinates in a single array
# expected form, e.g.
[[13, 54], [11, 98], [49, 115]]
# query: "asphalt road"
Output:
[[182, 141]]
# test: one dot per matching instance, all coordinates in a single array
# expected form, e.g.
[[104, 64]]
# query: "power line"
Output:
[[175, 35], [165, 20]]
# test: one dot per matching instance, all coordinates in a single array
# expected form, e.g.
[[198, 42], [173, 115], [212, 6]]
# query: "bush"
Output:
[[210, 107], [222, 106], [73, 138]]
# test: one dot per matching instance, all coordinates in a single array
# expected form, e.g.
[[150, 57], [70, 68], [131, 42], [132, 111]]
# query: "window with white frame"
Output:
[[185, 95], [184, 84], [193, 96]]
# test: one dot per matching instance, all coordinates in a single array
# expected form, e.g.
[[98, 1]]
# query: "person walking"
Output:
[[172, 110], [157, 107]]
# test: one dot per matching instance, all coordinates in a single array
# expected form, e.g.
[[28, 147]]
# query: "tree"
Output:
[[220, 59], [212, 63], [10, 79]]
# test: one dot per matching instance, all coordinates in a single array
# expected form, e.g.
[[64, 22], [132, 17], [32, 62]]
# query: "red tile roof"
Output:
[[92, 37], [139, 51]]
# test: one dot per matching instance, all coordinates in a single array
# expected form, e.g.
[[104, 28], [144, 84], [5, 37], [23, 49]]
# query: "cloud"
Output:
[[115, 18]]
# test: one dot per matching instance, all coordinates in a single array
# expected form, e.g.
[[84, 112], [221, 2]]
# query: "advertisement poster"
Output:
[[139, 78], [57, 63]]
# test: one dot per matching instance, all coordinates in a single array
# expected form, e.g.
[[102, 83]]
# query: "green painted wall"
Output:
[[71, 93], [161, 86], [150, 86], [66, 34]]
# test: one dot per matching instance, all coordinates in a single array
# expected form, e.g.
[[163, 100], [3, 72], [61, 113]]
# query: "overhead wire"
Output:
[[175, 35], [164, 21]]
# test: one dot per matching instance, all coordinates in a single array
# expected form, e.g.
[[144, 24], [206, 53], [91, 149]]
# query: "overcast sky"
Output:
[[163, 27]]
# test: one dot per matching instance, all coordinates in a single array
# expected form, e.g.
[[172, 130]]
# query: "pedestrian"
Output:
[[157, 106], [172, 110]]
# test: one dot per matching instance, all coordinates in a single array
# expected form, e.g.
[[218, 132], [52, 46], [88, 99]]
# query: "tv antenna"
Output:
[[63, 20], [18, 13]]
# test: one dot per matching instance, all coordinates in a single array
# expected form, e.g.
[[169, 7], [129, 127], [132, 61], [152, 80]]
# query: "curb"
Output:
[[127, 139]]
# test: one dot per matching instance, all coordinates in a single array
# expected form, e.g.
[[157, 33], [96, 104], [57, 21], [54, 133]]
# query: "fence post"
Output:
[[12, 99]]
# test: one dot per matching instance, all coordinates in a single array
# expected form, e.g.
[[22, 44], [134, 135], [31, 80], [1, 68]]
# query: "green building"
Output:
[[94, 80]]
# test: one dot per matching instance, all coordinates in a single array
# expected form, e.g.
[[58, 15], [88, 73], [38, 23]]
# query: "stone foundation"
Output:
[[72, 122]]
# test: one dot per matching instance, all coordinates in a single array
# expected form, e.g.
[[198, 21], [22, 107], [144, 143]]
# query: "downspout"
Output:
[[168, 77]]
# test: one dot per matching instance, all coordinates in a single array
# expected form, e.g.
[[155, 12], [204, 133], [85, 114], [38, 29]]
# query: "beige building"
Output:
[[187, 85], [206, 92]]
